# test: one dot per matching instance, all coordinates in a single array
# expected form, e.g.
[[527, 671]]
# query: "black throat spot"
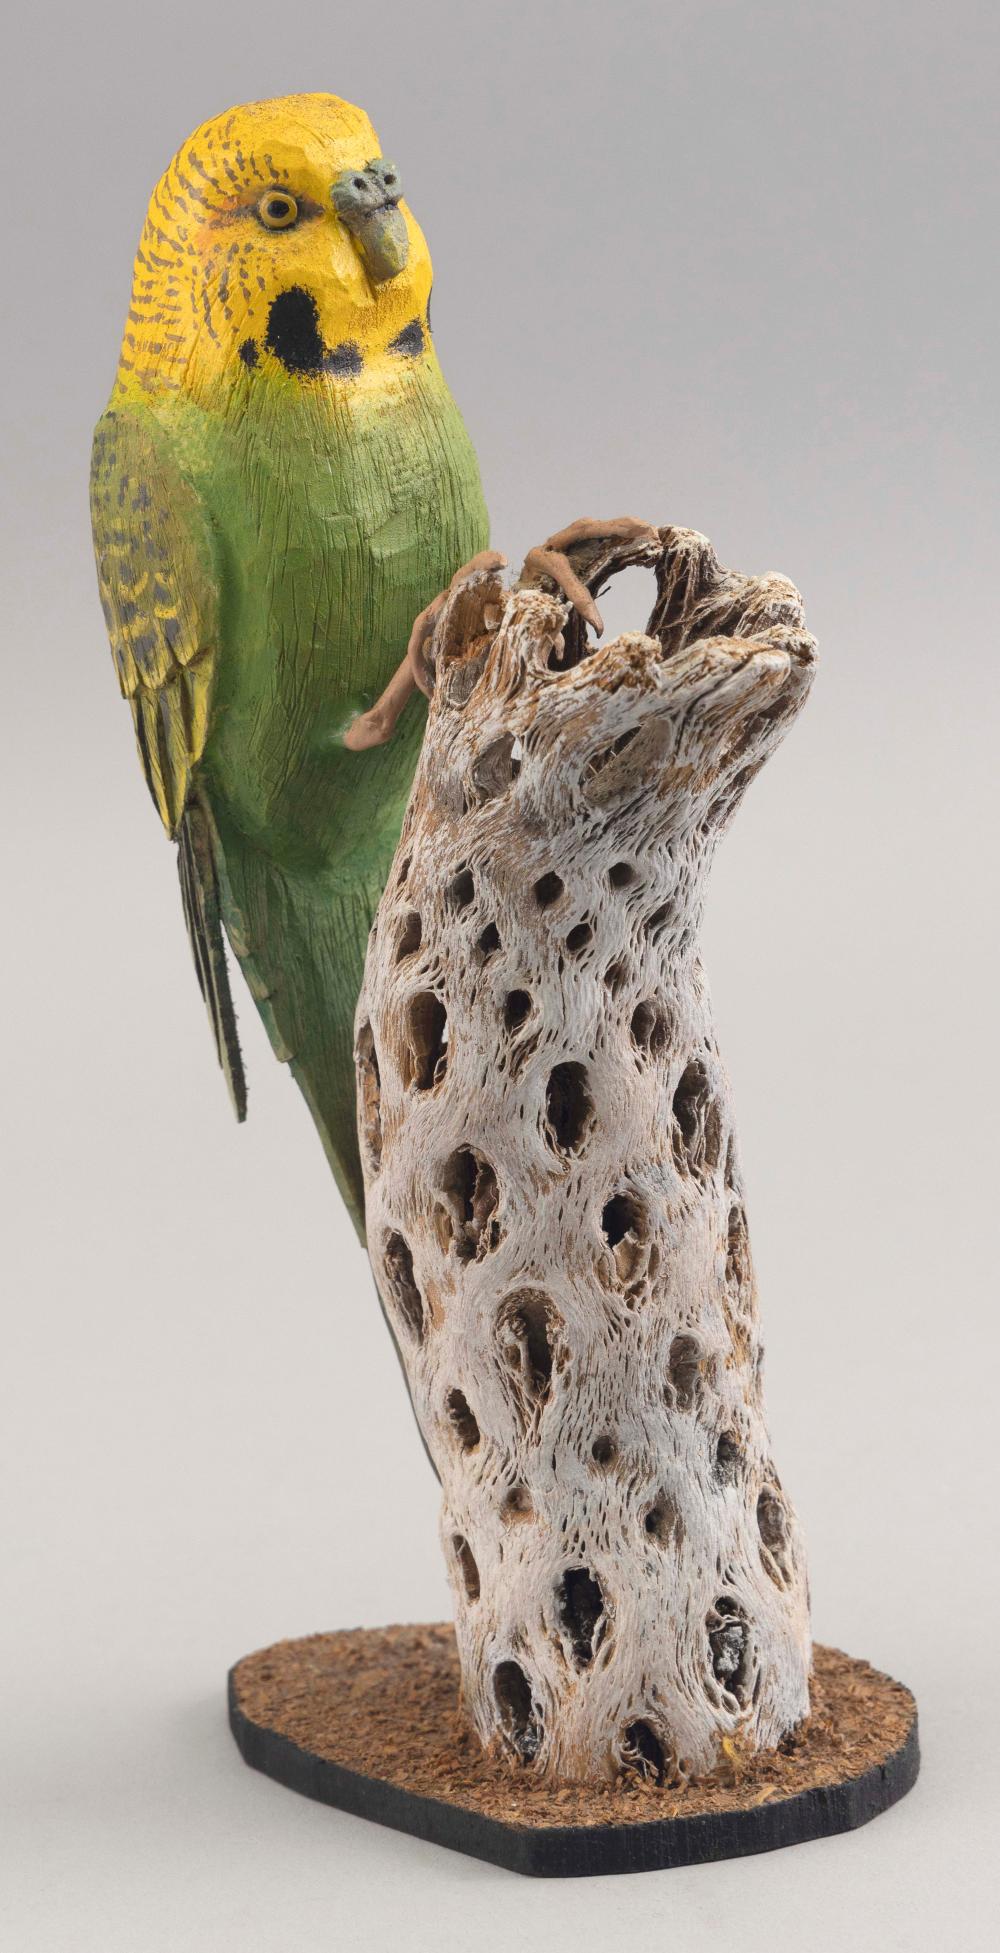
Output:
[[293, 331], [344, 359], [410, 341], [293, 336]]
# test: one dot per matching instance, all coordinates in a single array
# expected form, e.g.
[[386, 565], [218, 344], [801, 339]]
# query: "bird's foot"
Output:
[[375, 727], [597, 546], [423, 625]]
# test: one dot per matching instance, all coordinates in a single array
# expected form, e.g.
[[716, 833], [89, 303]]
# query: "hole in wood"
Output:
[[685, 1371], [728, 1458], [771, 1518], [567, 649], [616, 975], [370, 1092], [569, 1108], [625, 599], [548, 889], [608, 754], [698, 1135], [737, 1253], [489, 941], [579, 937], [463, 1419], [469, 1185], [650, 1029], [623, 1215], [425, 1055], [643, 1752], [411, 930], [467, 1567], [403, 1293], [517, 1506], [729, 1646], [516, 1009], [461, 889], [496, 767], [625, 1224], [604, 1452], [519, 1724], [658, 922], [581, 1612], [621, 874], [662, 1521], [527, 1325], [772, 1524]]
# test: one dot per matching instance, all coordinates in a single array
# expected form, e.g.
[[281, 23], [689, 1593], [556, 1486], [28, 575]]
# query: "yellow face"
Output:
[[277, 244]]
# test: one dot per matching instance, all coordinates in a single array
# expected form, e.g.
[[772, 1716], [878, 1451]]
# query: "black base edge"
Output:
[[581, 1851]]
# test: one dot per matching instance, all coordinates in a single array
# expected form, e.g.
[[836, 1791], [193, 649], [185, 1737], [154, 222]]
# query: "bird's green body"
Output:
[[265, 538], [317, 607]]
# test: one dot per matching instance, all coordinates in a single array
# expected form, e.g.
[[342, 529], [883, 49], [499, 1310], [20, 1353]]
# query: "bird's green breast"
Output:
[[337, 514]]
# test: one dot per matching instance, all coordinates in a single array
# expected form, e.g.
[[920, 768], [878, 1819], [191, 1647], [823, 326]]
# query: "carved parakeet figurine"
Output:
[[281, 483]]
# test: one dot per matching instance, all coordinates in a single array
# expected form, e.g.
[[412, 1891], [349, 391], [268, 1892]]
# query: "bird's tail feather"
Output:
[[202, 913]]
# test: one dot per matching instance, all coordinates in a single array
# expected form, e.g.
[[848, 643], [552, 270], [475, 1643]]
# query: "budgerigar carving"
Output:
[[281, 482]]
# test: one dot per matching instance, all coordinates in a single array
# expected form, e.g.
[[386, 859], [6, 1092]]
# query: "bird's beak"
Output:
[[367, 203], [384, 243]]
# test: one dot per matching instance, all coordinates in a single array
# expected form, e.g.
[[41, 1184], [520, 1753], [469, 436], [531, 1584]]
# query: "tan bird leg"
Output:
[[376, 726]]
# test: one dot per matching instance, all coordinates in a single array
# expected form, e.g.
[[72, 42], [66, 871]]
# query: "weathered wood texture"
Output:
[[553, 1190]]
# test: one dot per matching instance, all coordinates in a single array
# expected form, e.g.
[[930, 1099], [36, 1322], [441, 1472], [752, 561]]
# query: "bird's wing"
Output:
[[159, 589]]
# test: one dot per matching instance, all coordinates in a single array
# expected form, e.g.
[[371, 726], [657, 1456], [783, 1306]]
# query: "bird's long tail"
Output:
[[202, 912], [300, 943]]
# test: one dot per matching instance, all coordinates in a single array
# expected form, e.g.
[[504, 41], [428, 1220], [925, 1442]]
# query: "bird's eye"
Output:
[[277, 210]]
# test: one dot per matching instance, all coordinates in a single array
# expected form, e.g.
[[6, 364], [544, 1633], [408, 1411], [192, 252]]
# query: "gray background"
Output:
[[724, 265]]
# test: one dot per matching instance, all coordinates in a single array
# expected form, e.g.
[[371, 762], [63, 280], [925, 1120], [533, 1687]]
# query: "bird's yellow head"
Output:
[[277, 244]]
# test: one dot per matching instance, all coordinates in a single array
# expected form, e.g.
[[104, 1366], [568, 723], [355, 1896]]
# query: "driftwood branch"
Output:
[[554, 1199]]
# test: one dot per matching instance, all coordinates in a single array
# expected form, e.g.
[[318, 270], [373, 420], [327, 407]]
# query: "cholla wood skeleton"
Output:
[[554, 1201]]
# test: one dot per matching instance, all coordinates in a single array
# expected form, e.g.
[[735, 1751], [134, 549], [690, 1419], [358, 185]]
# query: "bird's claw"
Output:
[[551, 560], [423, 624], [555, 564]]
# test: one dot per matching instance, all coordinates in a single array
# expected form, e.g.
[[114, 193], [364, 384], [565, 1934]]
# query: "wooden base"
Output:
[[367, 1720]]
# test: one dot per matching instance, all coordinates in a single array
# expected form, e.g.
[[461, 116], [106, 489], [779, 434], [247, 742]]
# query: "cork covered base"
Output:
[[367, 1719]]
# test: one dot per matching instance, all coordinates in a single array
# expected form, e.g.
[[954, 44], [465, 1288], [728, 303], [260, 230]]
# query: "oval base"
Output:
[[367, 1720]]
